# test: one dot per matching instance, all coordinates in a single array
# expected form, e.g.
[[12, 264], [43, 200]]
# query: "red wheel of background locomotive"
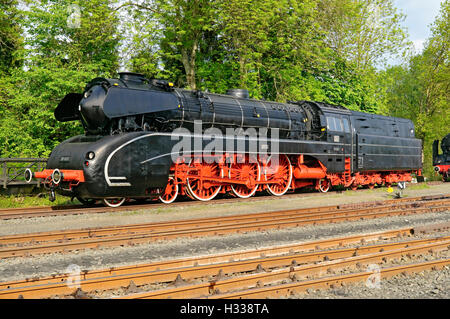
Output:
[[324, 185], [200, 187], [170, 192], [280, 172], [249, 172]]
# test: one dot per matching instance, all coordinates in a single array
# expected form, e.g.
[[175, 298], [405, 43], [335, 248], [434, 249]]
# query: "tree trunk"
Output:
[[188, 60]]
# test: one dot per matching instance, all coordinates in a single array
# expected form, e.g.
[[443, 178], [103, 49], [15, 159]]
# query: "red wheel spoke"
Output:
[[246, 172], [199, 186]]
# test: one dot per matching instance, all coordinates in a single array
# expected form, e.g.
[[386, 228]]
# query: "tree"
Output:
[[10, 36], [175, 28]]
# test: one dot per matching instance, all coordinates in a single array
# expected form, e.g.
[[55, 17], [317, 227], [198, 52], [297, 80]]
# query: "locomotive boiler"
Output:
[[146, 139]]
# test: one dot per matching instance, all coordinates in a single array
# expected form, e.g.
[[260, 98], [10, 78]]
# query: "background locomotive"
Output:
[[441, 162], [131, 124]]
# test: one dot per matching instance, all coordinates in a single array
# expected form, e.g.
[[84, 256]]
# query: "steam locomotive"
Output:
[[146, 139], [441, 162]]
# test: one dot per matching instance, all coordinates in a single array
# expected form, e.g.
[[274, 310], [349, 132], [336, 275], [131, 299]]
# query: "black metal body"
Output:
[[131, 126], [444, 158], [441, 162]]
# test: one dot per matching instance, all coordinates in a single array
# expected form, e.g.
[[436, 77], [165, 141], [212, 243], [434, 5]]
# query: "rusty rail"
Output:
[[245, 283], [277, 291]]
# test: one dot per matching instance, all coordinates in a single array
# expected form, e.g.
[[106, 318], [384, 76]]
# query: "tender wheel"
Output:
[[200, 187], [170, 192], [249, 172], [113, 202], [324, 185], [86, 201], [281, 173]]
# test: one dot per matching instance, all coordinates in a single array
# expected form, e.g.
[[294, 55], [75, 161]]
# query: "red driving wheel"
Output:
[[170, 192], [200, 185], [248, 172], [278, 170]]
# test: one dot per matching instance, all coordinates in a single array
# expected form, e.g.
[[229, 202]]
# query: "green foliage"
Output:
[[68, 43], [363, 31], [168, 39], [10, 36]]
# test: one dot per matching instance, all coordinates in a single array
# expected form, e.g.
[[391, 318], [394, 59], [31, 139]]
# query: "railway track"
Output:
[[277, 291], [63, 241], [222, 274], [44, 211]]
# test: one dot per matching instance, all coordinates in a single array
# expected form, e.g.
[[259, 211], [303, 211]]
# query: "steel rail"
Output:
[[278, 291], [189, 224], [97, 242], [112, 279]]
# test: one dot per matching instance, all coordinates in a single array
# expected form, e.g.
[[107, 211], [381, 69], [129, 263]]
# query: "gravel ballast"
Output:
[[429, 284]]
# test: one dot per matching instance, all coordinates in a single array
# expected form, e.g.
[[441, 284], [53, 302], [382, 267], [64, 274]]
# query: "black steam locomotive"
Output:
[[441, 162], [145, 139]]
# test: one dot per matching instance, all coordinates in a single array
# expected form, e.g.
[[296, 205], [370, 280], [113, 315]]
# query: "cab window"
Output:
[[330, 124], [335, 124], [338, 124]]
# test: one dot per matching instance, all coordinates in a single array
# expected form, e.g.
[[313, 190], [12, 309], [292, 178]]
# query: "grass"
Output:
[[419, 186]]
